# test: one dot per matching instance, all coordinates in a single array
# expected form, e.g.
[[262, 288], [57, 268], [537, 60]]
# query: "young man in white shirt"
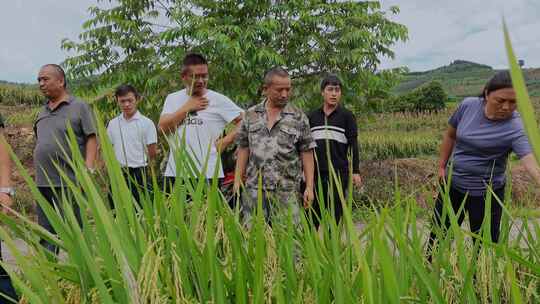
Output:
[[194, 118], [134, 138]]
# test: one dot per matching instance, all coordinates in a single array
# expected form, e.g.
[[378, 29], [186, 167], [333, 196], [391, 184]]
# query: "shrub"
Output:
[[429, 97]]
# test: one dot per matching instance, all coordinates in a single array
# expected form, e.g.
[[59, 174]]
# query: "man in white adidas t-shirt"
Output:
[[197, 116]]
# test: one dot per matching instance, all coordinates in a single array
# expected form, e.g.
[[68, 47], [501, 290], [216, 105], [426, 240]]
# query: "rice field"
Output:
[[406, 135], [15, 94], [402, 135], [190, 247]]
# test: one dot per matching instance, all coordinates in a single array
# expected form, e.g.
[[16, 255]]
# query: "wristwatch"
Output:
[[8, 190]]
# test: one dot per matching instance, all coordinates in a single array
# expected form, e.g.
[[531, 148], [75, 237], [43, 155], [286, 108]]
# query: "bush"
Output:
[[429, 97]]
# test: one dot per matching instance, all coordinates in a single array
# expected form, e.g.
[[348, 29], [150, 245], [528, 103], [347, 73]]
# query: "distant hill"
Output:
[[13, 83], [463, 78]]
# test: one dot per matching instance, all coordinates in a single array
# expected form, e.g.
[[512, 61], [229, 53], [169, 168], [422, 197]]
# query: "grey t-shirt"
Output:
[[482, 147], [52, 143]]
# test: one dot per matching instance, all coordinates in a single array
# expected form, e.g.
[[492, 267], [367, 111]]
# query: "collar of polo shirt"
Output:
[[69, 100], [135, 116]]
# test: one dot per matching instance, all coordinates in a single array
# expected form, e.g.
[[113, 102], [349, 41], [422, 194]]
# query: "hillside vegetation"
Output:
[[463, 78]]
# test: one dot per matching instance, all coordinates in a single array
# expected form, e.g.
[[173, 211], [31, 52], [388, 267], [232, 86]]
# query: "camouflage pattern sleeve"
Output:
[[306, 141], [242, 138]]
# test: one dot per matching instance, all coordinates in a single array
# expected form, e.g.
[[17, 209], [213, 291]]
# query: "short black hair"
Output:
[[501, 80], [330, 79], [193, 59], [59, 70], [275, 71], [125, 89]]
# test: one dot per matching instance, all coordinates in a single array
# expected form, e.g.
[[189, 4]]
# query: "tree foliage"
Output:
[[142, 42], [428, 97]]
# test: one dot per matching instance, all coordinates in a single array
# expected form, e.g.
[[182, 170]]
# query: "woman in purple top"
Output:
[[481, 134]]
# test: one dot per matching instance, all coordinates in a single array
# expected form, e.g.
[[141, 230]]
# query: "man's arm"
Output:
[[308, 165], [151, 140], [224, 142], [91, 149], [352, 139], [169, 122], [5, 171], [152, 152], [241, 164]]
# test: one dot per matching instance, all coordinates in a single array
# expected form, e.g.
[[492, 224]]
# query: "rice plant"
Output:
[[190, 247], [15, 94], [382, 145]]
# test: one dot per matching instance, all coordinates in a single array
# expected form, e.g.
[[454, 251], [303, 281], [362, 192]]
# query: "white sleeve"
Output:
[[229, 110], [171, 104], [109, 131], [151, 133]]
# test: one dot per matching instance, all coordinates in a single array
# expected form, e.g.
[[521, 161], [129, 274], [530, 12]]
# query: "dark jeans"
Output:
[[54, 197], [6, 286], [329, 199], [474, 206], [137, 180]]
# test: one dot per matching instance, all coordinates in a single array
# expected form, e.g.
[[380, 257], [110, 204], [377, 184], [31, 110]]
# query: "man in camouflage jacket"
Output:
[[275, 142]]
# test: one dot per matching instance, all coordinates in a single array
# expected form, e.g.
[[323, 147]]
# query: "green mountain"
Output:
[[463, 78]]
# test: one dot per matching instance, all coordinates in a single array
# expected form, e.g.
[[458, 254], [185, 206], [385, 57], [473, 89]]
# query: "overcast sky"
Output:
[[439, 32]]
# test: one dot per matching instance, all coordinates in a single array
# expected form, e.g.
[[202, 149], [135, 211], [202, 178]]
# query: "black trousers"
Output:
[[54, 196], [474, 206], [137, 180], [167, 184], [329, 198]]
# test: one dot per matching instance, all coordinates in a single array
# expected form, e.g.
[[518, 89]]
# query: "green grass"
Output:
[[21, 115], [170, 251]]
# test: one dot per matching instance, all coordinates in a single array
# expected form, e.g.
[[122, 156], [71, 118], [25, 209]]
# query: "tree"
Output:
[[143, 42], [428, 97], [432, 97]]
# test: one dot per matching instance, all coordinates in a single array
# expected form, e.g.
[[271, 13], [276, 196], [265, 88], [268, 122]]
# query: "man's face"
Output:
[[278, 91], [331, 95], [128, 104], [195, 78], [51, 83]]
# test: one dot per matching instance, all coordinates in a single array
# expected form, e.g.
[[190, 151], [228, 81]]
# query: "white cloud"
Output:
[[31, 32], [440, 32]]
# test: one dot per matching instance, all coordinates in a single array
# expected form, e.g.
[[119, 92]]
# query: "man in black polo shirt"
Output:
[[335, 131], [52, 145]]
